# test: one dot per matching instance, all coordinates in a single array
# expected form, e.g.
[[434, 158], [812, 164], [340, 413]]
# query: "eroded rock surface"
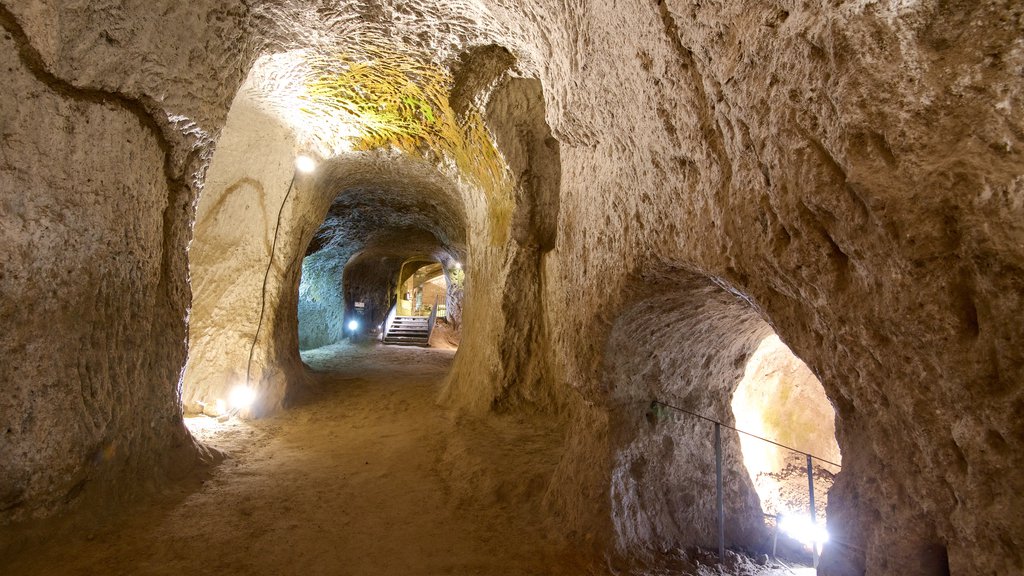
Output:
[[853, 172]]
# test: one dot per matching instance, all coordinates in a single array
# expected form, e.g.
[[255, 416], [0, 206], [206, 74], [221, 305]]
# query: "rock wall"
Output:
[[321, 312], [852, 171], [233, 236], [682, 341], [96, 188], [372, 280], [855, 173]]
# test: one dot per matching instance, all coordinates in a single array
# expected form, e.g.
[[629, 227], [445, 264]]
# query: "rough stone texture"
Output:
[[855, 173], [372, 222], [233, 236], [371, 279], [684, 341], [515, 115], [853, 170], [93, 281]]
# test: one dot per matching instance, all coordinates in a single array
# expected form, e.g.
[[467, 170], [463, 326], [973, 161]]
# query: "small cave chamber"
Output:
[[684, 353]]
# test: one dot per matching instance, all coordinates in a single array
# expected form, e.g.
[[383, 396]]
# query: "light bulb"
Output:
[[305, 164], [241, 397]]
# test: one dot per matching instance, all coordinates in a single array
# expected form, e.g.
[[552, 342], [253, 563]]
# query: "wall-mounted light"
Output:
[[241, 397], [305, 164], [353, 325]]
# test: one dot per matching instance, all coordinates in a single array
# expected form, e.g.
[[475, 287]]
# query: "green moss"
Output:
[[398, 100]]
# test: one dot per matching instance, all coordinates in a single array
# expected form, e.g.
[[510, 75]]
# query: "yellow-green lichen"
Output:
[[393, 99]]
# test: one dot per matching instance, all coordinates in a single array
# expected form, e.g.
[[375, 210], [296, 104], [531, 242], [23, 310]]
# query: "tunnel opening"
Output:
[[423, 288], [780, 399], [380, 254], [425, 292], [686, 352], [400, 174]]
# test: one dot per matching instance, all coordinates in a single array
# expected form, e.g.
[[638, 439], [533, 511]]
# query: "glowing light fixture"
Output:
[[800, 528], [353, 325], [305, 164], [241, 397], [458, 265]]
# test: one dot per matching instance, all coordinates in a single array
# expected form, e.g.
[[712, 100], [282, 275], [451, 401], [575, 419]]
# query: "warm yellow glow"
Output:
[[305, 164], [278, 82], [221, 406], [780, 399], [375, 95], [241, 397]]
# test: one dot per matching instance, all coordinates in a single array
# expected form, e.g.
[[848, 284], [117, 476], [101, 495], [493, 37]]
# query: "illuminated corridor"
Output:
[[395, 287]]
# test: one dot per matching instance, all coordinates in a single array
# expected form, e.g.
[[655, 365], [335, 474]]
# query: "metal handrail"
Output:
[[433, 318], [719, 492], [389, 321], [733, 428]]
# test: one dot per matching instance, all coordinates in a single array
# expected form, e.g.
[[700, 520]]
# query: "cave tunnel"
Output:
[[736, 372], [649, 242]]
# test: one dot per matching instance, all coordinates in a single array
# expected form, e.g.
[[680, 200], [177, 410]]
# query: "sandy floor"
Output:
[[364, 475]]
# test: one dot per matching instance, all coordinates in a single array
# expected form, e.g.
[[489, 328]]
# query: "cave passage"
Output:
[[685, 352], [405, 287], [363, 459]]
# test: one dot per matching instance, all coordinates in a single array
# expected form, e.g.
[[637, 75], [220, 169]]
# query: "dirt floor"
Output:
[[365, 474]]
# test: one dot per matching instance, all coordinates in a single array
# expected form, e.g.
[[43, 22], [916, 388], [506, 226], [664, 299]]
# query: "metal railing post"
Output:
[[720, 497], [719, 479], [814, 515], [433, 317]]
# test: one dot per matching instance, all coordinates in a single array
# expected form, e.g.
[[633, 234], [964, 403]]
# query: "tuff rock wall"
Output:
[[99, 176], [852, 172], [855, 173]]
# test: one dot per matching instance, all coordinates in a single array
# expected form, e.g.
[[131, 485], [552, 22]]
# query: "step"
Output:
[[420, 335], [400, 339], [409, 331]]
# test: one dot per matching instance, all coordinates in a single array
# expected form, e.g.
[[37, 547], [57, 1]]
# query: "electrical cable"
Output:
[[266, 276]]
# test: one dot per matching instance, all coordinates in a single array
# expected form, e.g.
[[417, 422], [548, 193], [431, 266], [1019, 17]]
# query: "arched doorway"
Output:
[[685, 353]]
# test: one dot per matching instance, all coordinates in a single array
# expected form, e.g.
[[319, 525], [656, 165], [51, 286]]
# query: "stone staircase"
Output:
[[409, 331]]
